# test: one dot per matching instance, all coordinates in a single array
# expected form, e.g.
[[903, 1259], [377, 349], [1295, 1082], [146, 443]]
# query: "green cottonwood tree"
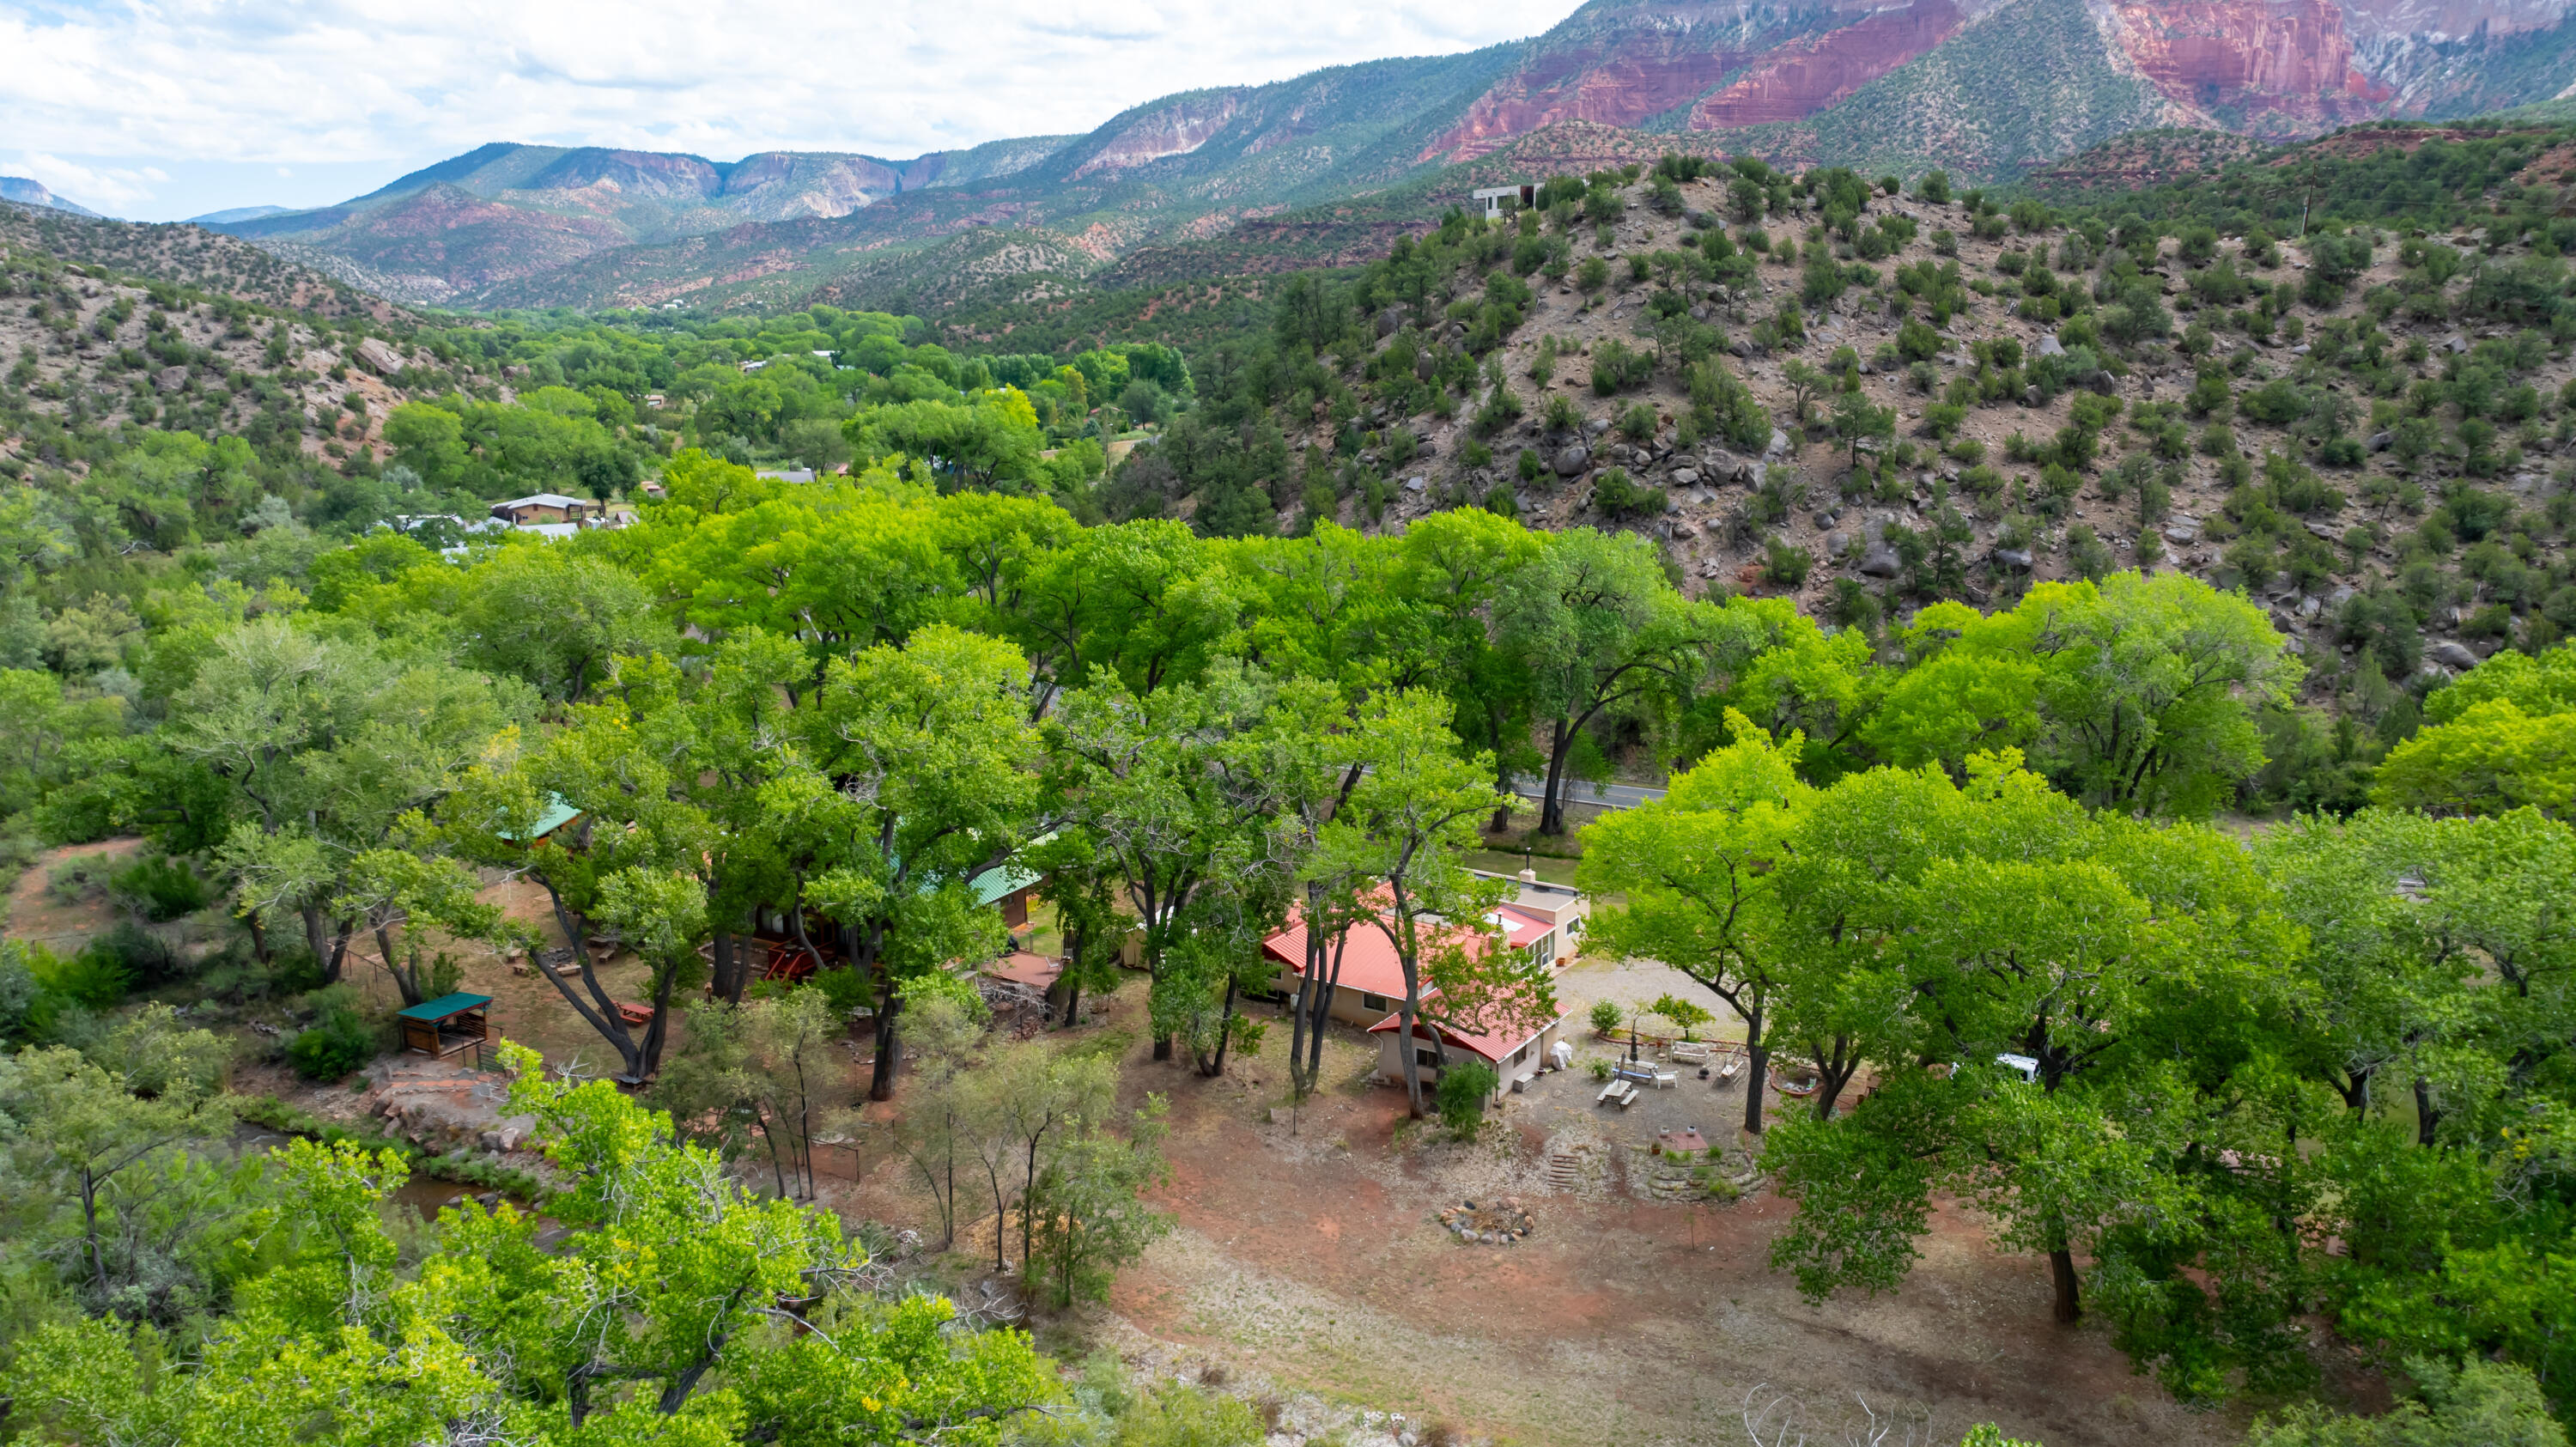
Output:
[[1699, 868]]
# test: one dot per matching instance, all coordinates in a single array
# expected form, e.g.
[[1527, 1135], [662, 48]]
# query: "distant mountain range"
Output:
[[238, 213], [27, 191], [1984, 88]]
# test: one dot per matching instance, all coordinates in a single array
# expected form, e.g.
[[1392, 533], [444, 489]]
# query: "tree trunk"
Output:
[[1551, 813], [2426, 1116], [881, 1082], [1224, 1033], [728, 968], [1835, 1067], [1757, 1064], [659, 1031], [2061, 1271], [1324, 1008], [313, 940], [89, 1213], [258, 937], [1412, 1063], [1301, 1081], [1072, 1001], [2356, 1092]]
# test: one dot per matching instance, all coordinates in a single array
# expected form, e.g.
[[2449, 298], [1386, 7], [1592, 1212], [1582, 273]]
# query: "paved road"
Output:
[[1617, 796]]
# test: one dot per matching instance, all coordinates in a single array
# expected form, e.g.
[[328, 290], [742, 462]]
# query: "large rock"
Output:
[[1778, 446], [170, 379], [377, 356], [2451, 653], [2048, 346], [1572, 460], [2182, 535], [1881, 563], [2017, 559], [1685, 477], [1388, 320]]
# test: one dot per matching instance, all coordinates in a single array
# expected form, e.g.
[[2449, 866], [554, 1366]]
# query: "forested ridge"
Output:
[[2176, 896]]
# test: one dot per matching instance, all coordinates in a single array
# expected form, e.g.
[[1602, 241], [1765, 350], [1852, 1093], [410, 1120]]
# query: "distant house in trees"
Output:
[[1491, 198], [542, 507]]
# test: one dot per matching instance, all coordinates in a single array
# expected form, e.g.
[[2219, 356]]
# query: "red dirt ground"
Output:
[[1315, 1261]]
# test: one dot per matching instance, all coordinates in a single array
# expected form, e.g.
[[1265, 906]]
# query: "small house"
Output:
[[1006, 887], [1515, 1045], [1544, 922], [1561, 909], [1491, 198], [656, 401], [542, 507]]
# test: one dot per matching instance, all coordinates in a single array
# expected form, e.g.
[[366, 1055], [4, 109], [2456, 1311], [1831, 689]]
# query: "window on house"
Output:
[[1519, 1054], [1372, 1002], [1427, 1059]]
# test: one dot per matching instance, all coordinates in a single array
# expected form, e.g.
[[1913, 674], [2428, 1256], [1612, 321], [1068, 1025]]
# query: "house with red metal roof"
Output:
[[1370, 979], [1514, 1043]]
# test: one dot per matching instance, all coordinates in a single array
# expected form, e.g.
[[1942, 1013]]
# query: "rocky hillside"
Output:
[[2372, 458], [173, 328], [183, 255], [1982, 88]]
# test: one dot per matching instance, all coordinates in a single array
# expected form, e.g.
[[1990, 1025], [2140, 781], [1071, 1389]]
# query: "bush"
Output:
[[142, 957], [1618, 496], [69, 881], [159, 888], [1605, 1016], [339, 1041], [1464, 1088], [94, 979], [1785, 565]]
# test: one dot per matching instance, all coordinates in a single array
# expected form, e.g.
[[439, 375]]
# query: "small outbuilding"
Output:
[[447, 1026]]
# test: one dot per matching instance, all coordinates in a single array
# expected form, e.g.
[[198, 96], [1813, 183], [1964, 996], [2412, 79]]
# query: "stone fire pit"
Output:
[[1499, 1222]]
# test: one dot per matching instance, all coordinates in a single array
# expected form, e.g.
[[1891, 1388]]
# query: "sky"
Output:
[[159, 110]]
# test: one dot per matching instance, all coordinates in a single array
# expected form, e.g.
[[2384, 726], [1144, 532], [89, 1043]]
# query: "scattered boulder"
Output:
[[1573, 460], [2017, 559], [1388, 320], [1778, 446], [2048, 346], [1685, 477], [377, 356], [2380, 441], [2450, 653], [2454, 344], [170, 379], [1881, 563], [2182, 535]]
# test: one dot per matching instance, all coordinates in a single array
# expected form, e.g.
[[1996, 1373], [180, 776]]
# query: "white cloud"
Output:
[[94, 186], [352, 80]]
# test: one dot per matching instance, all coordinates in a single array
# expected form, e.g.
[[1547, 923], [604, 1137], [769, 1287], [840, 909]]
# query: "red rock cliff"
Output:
[[1801, 79], [2271, 66]]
